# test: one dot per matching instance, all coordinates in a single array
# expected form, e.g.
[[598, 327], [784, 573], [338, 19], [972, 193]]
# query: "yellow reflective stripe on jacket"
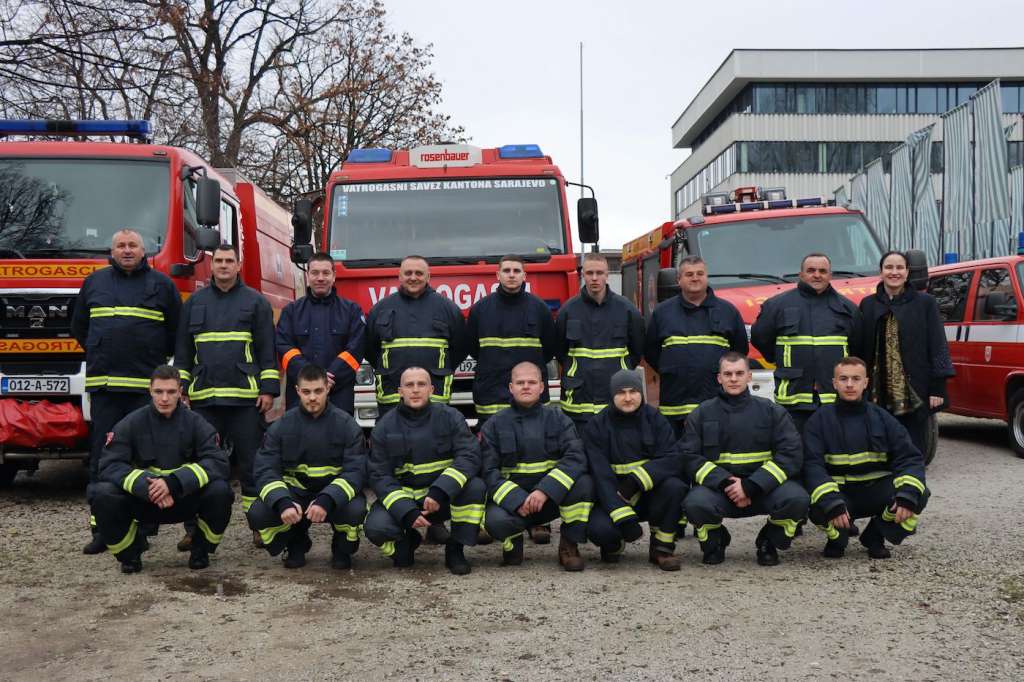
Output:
[[127, 311], [509, 342], [637, 469], [581, 408], [489, 409], [424, 468], [218, 392], [293, 482], [345, 486], [677, 410], [823, 489], [907, 479], [703, 472], [576, 513], [270, 487], [126, 541], [313, 472], [621, 512], [743, 457], [503, 490], [861, 478], [597, 353], [531, 467], [705, 339], [270, 374], [472, 514], [415, 342], [777, 473], [396, 495], [121, 382], [129, 481], [455, 475], [807, 340], [852, 459], [561, 477], [215, 337]]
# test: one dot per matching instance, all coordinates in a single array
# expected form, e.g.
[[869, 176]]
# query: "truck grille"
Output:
[[40, 315]]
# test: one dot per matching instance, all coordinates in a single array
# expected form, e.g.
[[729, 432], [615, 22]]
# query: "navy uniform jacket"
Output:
[[327, 332]]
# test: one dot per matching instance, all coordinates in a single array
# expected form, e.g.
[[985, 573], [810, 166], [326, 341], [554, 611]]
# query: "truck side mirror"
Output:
[[586, 220], [207, 239], [668, 284], [208, 202], [302, 221], [917, 264]]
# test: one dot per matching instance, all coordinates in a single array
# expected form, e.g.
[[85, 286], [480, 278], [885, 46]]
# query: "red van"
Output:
[[979, 303]]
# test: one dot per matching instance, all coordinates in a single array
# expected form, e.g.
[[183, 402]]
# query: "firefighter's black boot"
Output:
[[298, 544], [834, 549], [95, 545], [767, 554], [514, 555], [405, 549], [714, 552], [199, 553], [455, 559], [873, 539], [437, 534]]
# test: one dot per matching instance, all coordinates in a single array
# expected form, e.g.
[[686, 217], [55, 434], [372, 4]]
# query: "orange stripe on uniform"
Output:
[[349, 360], [287, 357]]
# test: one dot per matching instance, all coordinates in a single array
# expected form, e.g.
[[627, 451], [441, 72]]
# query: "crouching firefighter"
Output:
[[162, 464], [424, 468], [860, 462], [742, 454], [535, 470], [637, 473], [310, 469]]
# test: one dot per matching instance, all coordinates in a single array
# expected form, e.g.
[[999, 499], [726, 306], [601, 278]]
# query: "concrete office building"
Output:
[[807, 120]]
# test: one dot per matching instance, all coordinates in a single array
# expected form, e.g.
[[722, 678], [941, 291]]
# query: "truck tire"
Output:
[[931, 439], [1016, 422], [8, 471]]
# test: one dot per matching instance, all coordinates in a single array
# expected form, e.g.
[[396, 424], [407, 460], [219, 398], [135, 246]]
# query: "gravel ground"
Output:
[[948, 605]]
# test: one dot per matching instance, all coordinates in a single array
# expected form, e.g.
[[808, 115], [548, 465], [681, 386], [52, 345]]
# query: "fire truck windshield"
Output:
[[446, 220], [774, 246], [53, 208]]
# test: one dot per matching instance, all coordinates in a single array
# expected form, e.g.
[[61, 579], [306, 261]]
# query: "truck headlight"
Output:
[[364, 377]]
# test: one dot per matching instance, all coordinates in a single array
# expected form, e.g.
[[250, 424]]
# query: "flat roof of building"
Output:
[[746, 66]]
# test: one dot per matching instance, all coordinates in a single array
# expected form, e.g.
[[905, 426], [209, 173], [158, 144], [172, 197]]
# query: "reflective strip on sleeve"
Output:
[[394, 496], [910, 525], [509, 342], [127, 311], [503, 490], [702, 339], [130, 479], [822, 490], [288, 357], [907, 479], [184, 374], [703, 472], [561, 477], [201, 476], [270, 487], [347, 358], [345, 487], [455, 475], [777, 473], [270, 375], [621, 513], [637, 469]]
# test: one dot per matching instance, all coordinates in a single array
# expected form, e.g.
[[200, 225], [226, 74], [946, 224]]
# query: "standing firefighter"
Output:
[[505, 328], [686, 337], [599, 333], [805, 331], [535, 471], [125, 318], [637, 474], [860, 462], [424, 470], [742, 454], [310, 469], [162, 464], [225, 353]]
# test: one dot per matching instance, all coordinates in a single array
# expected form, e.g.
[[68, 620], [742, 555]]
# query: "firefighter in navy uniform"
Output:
[[637, 475], [310, 469], [686, 337], [859, 462], [505, 328], [424, 469], [162, 464], [599, 332], [414, 327], [805, 331], [125, 318], [323, 329], [225, 353], [743, 455], [535, 471]]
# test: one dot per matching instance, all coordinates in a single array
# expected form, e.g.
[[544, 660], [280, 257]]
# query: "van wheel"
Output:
[[1016, 422], [931, 439], [8, 471]]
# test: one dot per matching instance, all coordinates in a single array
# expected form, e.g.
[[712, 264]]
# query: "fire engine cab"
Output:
[[461, 207]]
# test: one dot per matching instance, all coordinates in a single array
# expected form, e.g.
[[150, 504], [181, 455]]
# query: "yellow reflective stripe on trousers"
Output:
[[830, 531], [268, 534], [822, 490], [576, 513], [472, 514], [542, 467], [455, 475], [351, 532], [621, 513], [503, 490], [127, 540], [852, 459], [743, 457], [509, 342], [598, 353], [777, 473], [907, 479], [394, 496], [127, 311], [662, 536], [677, 410], [508, 543], [313, 472], [116, 382], [910, 525], [345, 486], [702, 531], [424, 468], [273, 485], [788, 525], [703, 472], [247, 501], [211, 537], [704, 339], [129, 481], [561, 477]]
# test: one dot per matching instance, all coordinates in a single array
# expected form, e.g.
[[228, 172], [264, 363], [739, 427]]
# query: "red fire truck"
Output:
[[753, 240], [61, 200], [461, 207]]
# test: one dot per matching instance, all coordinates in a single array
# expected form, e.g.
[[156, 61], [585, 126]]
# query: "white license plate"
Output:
[[466, 368], [38, 385]]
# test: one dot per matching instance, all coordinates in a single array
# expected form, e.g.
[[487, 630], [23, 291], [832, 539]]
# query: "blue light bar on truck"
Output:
[[138, 129], [369, 155], [763, 205], [520, 151]]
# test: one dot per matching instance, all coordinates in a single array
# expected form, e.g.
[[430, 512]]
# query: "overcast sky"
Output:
[[511, 72]]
